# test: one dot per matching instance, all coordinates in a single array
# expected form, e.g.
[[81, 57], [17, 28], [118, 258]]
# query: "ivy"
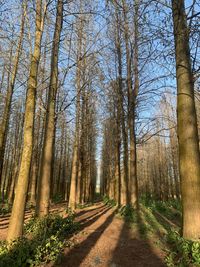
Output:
[[47, 238]]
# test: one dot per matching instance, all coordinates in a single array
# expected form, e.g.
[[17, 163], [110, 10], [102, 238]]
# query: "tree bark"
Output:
[[49, 135], [189, 156], [6, 114], [17, 216]]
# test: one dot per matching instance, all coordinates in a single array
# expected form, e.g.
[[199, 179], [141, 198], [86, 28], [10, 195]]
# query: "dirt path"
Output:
[[103, 241], [106, 241]]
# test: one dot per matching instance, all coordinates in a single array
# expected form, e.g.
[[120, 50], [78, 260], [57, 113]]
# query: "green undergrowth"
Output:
[[84, 205], [128, 213], [155, 222], [5, 208], [109, 202], [43, 242], [182, 253], [170, 209], [57, 198], [179, 251]]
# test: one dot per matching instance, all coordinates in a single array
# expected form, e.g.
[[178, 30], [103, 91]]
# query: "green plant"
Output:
[[5, 208], [128, 213], [183, 252], [57, 198], [49, 250], [170, 209], [82, 206], [47, 238], [109, 202], [17, 253], [176, 204]]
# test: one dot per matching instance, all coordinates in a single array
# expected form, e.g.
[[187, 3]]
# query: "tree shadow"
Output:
[[83, 212], [77, 254], [133, 251], [166, 222], [157, 221], [4, 221], [85, 222], [151, 221]]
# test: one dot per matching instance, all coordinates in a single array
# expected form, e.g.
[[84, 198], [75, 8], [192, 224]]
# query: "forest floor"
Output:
[[4, 218], [106, 240]]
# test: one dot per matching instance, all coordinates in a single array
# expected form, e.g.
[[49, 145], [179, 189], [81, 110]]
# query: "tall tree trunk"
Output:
[[17, 216], [76, 149], [72, 194], [6, 114], [124, 184], [18, 137], [174, 159], [2, 77], [132, 94], [189, 156], [49, 136]]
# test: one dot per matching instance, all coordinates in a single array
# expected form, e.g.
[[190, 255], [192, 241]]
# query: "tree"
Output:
[[49, 135], [17, 216], [189, 155], [6, 114]]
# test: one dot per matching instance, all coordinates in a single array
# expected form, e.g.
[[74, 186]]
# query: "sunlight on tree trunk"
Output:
[[17, 215], [49, 135], [189, 156]]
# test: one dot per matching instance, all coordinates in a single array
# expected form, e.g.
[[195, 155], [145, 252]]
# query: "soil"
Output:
[[104, 240], [107, 241]]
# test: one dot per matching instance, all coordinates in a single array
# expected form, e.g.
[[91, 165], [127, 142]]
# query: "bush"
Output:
[[109, 202], [5, 208], [176, 204], [183, 252], [128, 213], [57, 198], [51, 225], [16, 254], [45, 243], [171, 209]]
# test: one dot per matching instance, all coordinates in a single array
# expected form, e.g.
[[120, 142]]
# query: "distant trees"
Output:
[[83, 174], [158, 173], [165, 151], [125, 90], [4, 126], [87, 80]]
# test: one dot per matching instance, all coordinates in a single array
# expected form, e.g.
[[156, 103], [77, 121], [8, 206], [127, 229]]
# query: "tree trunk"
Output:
[[124, 183], [72, 195], [132, 94], [49, 136], [189, 156], [17, 216], [6, 114]]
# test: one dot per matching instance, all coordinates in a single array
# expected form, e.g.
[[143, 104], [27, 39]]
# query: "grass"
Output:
[[45, 239], [84, 205], [5, 208], [109, 202], [162, 219]]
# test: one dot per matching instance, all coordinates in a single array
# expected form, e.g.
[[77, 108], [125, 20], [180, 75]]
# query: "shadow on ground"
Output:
[[130, 249], [77, 254]]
